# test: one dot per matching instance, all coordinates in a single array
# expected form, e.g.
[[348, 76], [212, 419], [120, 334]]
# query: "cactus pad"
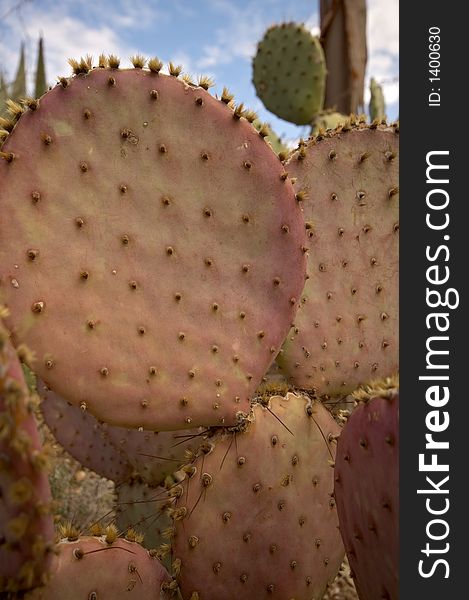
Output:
[[152, 247], [346, 329], [95, 569], [115, 452], [142, 509], [26, 526], [289, 73], [255, 516], [83, 437], [367, 494]]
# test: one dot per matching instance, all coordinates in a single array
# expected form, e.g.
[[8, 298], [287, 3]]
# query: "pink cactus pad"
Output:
[[152, 248], [90, 568], [346, 329], [115, 452], [367, 494], [255, 516]]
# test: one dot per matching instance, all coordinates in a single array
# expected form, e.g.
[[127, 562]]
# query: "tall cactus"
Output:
[[343, 36], [41, 81], [377, 106], [18, 88], [3, 94]]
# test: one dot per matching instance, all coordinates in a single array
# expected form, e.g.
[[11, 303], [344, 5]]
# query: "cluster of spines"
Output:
[[154, 65], [66, 530]]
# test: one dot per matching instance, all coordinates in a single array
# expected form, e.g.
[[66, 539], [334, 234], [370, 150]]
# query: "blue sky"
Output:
[[214, 37]]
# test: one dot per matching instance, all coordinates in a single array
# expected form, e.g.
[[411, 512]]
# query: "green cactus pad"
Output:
[[346, 329], [289, 73], [94, 569], [152, 248], [26, 525], [327, 120], [255, 516]]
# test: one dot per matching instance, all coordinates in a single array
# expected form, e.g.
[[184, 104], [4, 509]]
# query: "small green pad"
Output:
[[152, 249], [289, 73], [346, 330]]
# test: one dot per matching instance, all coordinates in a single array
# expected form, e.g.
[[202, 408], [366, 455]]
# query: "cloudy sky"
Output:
[[214, 37]]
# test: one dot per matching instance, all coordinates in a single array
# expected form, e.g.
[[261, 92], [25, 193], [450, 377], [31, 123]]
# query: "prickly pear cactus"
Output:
[[255, 516], [327, 120], [83, 437], [115, 452], [26, 526], [103, 567], [143, 509], [272, 138], [367, 494], [144, 217], [346, 329], [289, 73]]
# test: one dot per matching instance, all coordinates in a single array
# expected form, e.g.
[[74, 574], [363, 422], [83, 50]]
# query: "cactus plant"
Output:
[[115, 452], [272, 138], [327, 119], [103, 566], [289, 73], [377, 105], [172, 230], [343, 37], [83, 437], [26, 526], [153, 254], [3, 95], [255, 514], [18, 88], [367, 494], [40, 87], [346, 330], [142, 509]]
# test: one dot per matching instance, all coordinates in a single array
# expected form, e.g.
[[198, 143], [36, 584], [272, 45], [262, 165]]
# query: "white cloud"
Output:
[[73, 28], [238, 38], [383, 48], [383, 26]]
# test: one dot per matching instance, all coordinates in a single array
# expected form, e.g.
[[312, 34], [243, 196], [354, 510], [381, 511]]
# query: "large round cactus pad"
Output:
[[346, 329], [151, 248]]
